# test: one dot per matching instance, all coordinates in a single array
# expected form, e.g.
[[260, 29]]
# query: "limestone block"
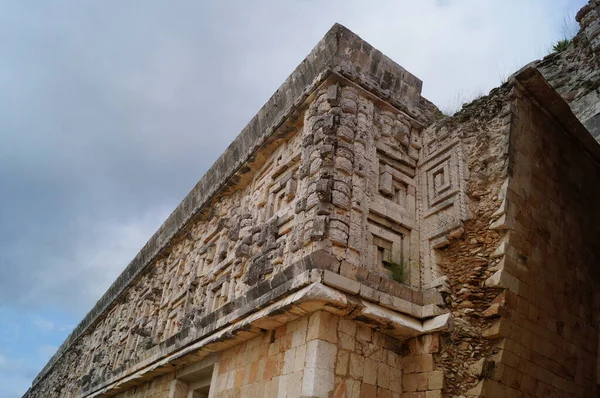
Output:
[[288, 362], [346, 342], [424, 363], [318, 375], [409, 382], [385, 183], [502, 279], [341, 366], [299, 358], [347, 326], [499, 329], [340, 282], [368, 390], [435, 380], [373, 295], [323, 325], [370, 371], [357, 366], [345, 133], [348, 105], [383, 375], [318, 228]]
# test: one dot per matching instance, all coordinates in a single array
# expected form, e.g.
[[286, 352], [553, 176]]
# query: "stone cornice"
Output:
[[308, 291]]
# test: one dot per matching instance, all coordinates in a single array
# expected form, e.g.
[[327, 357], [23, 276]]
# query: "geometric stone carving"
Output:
[[444, 206], [443, 199], [387, 243], [441, 182]]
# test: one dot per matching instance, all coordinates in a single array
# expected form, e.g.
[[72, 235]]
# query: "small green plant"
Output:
[[398, 268], [561, 45]]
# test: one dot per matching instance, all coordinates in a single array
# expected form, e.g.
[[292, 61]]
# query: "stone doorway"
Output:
[[194, 381]]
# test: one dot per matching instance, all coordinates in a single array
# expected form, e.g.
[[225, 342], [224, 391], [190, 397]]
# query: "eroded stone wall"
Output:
[[493, 208], [461, 253]]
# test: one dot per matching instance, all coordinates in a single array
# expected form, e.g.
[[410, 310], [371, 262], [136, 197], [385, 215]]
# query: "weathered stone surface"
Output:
[[347, 244]]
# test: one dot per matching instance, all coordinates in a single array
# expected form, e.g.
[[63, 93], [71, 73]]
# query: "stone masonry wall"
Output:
[[548, 325], [589, 21], [325, 355], [321, 355], [298, 359], [241, 240]]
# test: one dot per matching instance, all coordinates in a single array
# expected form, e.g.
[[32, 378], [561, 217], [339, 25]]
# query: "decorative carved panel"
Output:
[[444, 206]]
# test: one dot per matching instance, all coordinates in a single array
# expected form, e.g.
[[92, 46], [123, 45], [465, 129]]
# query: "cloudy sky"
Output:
[[110, 111]]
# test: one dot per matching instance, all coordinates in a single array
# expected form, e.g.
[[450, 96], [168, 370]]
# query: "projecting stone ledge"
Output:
[[194, 345], [304, 288]]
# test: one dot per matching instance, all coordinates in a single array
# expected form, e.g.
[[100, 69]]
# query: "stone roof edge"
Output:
[[536, 86], [340, 51]]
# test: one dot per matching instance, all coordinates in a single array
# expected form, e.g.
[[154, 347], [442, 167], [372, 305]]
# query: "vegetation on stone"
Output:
[[561, 45]]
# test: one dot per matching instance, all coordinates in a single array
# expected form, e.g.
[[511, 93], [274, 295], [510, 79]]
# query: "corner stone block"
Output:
[[323, 325], [321, 355], [318, 376], [503, 279], [499, 329]]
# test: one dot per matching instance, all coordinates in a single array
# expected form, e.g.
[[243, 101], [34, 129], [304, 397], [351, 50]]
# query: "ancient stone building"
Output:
[[353, 242]]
